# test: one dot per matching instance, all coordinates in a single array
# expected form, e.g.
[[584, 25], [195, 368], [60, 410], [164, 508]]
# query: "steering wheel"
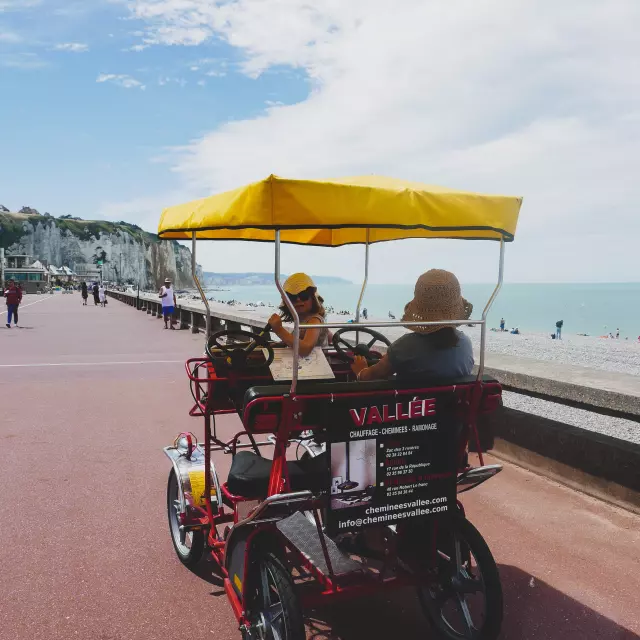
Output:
[[361, 349], [237, 354]]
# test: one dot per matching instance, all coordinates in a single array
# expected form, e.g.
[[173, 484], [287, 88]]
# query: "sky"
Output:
[[115, 109]]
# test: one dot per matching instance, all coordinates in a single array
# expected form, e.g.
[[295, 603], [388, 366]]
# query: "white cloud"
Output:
[[121, 80], [8, 37], [165, 80], [18, 5], [72, 47], [144, 210], [535, 98], [25, 60]]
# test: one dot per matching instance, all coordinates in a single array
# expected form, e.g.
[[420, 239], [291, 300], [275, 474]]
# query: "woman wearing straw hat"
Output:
[[438, 351], [303, 293]]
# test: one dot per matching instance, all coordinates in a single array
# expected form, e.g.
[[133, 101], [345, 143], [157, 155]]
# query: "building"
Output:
[[30, 274], [87, 273], [67, 276], [61, 276]]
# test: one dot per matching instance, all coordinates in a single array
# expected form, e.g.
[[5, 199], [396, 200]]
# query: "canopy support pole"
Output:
[[483, 326], [195, 279], [364, 284], [294, 315]]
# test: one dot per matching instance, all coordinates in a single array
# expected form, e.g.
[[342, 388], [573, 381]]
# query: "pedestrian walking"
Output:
[[502, 324], [617, 334], [13, 298], [102, 295], [365, 313], [559, 329], [169, 303], [96, 294], [85, 294]]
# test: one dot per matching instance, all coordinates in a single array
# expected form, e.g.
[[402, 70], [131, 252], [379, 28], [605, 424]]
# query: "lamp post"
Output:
[[138, 299]]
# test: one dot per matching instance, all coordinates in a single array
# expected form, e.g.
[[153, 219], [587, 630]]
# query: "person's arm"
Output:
[[175, 302], [381, 370], [307, 344]]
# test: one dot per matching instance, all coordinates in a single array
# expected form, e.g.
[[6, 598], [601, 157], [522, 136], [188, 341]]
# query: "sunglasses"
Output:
[[303, 296]]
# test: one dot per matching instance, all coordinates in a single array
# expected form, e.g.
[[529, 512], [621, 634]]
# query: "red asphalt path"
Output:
[[88, 398]]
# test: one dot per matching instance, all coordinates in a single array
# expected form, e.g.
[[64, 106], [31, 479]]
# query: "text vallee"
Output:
[[393, 412]]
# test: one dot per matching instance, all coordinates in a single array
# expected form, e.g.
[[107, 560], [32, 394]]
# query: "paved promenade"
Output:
[[88, 398]]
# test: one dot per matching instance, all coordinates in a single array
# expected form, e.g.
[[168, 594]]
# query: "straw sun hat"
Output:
[[297, 283], [436, 297]]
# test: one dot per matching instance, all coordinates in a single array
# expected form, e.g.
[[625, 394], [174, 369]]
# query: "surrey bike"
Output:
[[359, 492]]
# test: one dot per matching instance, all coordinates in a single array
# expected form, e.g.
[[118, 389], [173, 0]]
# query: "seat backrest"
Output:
[[263, 405]]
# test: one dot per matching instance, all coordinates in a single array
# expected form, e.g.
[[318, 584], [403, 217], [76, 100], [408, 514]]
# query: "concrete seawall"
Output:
[[604, 467]]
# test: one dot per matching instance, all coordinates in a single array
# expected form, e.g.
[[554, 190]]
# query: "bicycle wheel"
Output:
[[189, 545], [273, 609], [465, 601]]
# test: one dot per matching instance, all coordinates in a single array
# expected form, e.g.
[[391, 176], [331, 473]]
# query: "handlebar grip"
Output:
[[267, 329]]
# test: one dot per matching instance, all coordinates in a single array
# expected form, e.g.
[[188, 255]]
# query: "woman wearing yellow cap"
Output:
[[303, 294]]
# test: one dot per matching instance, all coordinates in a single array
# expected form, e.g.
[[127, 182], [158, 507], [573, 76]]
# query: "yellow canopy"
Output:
[[336, 212]]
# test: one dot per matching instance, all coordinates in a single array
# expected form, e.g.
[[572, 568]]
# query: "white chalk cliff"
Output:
[[128, 253]]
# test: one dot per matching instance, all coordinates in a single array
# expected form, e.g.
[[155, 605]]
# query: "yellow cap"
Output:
[[298, 282]]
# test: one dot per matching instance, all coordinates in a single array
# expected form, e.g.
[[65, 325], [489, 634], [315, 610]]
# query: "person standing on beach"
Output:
[[13, 297], [502, 323], [169, 303], [85, 294], [559, 329], [365, 313]]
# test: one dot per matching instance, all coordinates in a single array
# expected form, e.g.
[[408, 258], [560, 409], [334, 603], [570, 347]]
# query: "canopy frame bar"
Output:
[[354, 325], [364, 284], [198, 285], [494, 295], [294, 315]]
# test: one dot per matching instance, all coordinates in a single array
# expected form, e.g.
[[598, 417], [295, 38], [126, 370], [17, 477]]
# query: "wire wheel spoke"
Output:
[[464, 602], [466, 615], [469, 584], [275, 611], [271, 608], [264, 589]]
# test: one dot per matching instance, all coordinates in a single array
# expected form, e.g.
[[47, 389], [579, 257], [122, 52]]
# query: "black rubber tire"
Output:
[[292, 625], [472, 543], [189, 556]]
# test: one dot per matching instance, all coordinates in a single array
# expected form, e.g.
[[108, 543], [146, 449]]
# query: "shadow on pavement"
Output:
[[209, 571], [540, 611], [530, 613]]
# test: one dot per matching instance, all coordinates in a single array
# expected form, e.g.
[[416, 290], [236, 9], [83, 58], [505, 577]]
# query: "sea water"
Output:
[[593, 309]]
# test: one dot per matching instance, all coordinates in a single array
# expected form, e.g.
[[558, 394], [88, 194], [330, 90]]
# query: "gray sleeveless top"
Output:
[[323, 338]]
